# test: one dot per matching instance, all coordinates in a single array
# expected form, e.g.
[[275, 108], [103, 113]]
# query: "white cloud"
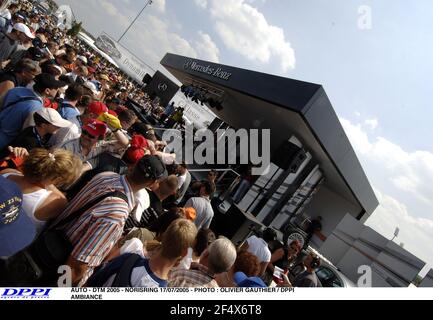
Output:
[[372, 123], [153, 31], [113, 11], [206, 48], [159, 5], [415, 233], [245, 30], [411, 173], [201, 3]]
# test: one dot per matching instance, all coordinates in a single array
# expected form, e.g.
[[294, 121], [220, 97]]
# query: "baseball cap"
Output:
[[104, 77], [21, 27], [46, 80], [243, 281], [138, 141], [90, 85], [133, 155], [17, 231], [96, 128], [190, 213], [152, 167], [82, 58], [35, 53], [53, 117], [97, 107]]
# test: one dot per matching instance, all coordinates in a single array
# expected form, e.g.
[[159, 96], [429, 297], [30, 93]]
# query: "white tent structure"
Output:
[[91, 42]]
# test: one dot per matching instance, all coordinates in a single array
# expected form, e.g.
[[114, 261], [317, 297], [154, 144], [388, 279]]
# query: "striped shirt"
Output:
[[198, 276], [97, 230]]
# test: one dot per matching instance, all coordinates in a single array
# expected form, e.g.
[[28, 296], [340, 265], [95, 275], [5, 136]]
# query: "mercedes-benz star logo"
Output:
[[162, 87]]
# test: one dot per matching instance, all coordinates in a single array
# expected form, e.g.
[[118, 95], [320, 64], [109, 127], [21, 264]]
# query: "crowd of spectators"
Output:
[[84, 183]]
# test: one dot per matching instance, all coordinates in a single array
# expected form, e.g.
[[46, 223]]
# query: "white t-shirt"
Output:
[[181, 180], [133, 246], [185, 263], [143, 202], [259, 248]]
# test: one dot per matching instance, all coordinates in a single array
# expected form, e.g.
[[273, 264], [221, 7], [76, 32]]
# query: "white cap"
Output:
[[53, 117], [91, 86], [82, 58], [21, 27]]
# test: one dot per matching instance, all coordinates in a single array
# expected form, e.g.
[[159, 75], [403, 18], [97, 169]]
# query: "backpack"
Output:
[[122, 267], [37, 265]]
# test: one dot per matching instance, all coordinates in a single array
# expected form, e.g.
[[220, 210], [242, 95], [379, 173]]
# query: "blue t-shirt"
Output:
[[68, 112], [13, 115]]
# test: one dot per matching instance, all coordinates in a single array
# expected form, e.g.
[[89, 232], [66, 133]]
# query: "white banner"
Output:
[[127, 62], [199, 115], [229, 294]]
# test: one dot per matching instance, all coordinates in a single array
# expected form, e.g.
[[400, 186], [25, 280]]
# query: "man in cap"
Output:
[[85, 146], [9, 42], [81, 61], [46, 122], [20, 102], [98, 229]]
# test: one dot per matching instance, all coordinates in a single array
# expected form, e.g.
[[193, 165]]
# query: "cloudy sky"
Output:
[[374, 60]]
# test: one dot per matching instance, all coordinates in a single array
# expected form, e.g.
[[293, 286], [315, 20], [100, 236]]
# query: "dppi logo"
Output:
[[26, 293]]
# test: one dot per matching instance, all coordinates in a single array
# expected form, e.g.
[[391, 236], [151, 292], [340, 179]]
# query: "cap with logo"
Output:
[[152, 167], [96, 128], [17, 231]]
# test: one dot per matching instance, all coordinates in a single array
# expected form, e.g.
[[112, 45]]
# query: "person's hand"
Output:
[[111, 121], [18, 152]]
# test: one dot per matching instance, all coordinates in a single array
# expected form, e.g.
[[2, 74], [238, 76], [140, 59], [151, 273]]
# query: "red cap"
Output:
[[97, 108], [139, 142], [133, 155], [96, 128]]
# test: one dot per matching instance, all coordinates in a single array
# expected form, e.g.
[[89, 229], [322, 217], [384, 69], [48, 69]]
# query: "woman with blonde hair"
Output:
[[39, 178]]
